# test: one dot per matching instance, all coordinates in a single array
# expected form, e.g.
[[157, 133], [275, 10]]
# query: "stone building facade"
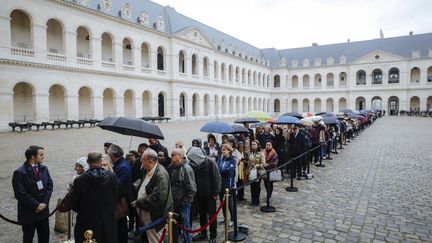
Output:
[[82, 59]]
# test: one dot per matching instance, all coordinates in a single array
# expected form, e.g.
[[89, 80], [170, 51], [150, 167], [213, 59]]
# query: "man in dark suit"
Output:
[[297, 146], [33, 186], [123, 171]]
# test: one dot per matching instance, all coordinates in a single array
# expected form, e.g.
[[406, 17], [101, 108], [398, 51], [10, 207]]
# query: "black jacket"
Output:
[[94, 198], [207, 176], [297, 144], [28, 195], [183, 186]]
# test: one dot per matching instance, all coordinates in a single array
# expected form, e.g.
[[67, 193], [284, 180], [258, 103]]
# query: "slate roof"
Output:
[[175, 22]]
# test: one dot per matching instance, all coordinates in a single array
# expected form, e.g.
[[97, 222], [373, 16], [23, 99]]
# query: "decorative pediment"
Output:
[[125, 12], [378, 56], [105, 6], [282, 62], [160, 24], [84, 3], [194, 35], [144, 19]]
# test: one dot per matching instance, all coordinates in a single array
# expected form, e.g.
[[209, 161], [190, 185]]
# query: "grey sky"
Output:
[[296, 23]]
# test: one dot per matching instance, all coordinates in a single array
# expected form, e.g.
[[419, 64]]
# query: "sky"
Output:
[[286, 24]]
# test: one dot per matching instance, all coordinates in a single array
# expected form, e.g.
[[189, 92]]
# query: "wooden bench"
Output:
[[21, 125], [153, 119], [31, 124]]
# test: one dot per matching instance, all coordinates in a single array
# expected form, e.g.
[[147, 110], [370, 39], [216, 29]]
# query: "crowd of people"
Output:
[[114, 193]]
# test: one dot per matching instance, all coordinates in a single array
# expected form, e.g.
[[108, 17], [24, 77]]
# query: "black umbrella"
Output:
[[347, 111], [328, 114], [330, 120], [238, 129], [246, 120], [131, 126], [294, 114]]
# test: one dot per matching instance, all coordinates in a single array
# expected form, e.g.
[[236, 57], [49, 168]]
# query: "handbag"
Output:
[[61, 219], [122, 209], [253, 174], [276, 175], [63, 204]]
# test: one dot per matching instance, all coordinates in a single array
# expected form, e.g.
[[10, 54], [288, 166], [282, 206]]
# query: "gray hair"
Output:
[[94, 158], [115, 150], [152, 155], [179, 151]]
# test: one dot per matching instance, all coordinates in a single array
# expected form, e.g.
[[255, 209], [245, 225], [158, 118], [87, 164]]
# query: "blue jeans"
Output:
[[184, 214]]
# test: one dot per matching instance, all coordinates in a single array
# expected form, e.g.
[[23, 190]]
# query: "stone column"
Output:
[[98, 107], [211, 106], [136, 57], [201, 106], [6, 108], [72, 107], [155, 106], [96, 50], [118, 54], [188, 108], [70, 46], [175, 107], [289, 105], [138, 106], [119, 105], [42, 107], [40, 41], [5, 37], [336, 105]]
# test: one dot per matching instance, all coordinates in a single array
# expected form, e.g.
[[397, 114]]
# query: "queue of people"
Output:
[[115, 194]]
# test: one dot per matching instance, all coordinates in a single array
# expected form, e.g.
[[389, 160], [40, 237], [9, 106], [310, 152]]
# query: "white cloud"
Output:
[[296, 23]]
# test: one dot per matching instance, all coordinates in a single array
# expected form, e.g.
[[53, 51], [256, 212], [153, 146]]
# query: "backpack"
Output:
[[308, 140], [201, 172]]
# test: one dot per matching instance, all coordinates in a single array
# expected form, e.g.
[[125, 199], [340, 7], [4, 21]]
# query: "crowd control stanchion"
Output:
[[320, 161], [88, 235], [267, 208], [170, 227], [291, 188], [235, 235], [227, 214]]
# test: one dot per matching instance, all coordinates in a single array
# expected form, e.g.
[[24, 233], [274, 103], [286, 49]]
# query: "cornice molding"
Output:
[[110, 17], [122, 75]]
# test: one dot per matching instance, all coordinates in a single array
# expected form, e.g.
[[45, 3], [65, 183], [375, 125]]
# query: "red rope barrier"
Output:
[[161, 239], [206, 225]]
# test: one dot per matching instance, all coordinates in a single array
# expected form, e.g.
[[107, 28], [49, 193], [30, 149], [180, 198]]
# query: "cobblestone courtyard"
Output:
[[378, 189]]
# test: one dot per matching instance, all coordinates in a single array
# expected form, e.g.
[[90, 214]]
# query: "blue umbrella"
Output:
[[287, 120], [217, 127]]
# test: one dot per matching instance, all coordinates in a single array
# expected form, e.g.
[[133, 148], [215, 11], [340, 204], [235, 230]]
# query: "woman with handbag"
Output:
[[257, 164], [271, 158]]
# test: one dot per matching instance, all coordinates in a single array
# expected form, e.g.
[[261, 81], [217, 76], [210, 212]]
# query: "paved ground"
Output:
[[376, 190]]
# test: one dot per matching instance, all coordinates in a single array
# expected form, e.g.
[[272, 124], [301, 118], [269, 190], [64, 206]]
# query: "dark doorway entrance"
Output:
[[161, 105]]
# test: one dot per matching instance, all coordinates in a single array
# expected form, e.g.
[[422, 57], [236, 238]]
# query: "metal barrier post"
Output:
[[227, 215], [291, 188], [268, 208], [235, 235], [89, 235], [170, 227]]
